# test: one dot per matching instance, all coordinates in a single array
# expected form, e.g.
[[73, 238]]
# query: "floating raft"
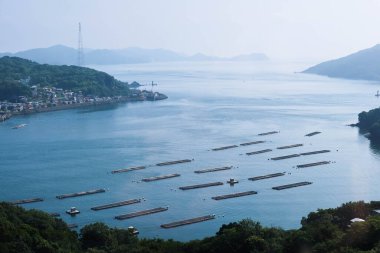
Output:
[[225, 147], [26, 201], [173, 162], [316, 152], [290, 146], [312, 134], [71, 226], [78, 194], [285, 157], [128, 169], [150, 179], [213, 170], [312, 164], [141, 213], [116, 204], [258, 152], [266, 176], [251, 143], [234, 195], [188, 222], [268, 133], [287, 186], [190, 187]]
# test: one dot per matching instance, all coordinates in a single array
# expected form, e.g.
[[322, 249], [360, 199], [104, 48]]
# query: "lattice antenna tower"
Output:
[[80, 46]]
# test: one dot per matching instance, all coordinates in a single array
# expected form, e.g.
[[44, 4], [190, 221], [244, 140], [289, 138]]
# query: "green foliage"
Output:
[[370, 122]]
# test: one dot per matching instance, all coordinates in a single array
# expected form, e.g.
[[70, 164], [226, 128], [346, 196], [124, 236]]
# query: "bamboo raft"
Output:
[[150, 179], [290, 146], [78, 194], [174, 162], [287, 186], [188, 222], [312, 164], [316, 152], [266, 176], [26, 201], [128, 169], [116, 204], [258, 152], [225, 147], [141, 213], [251, 143], [284, 157], [197, 186], [268, 133], [312, 134], [213, 170], [234, 195]]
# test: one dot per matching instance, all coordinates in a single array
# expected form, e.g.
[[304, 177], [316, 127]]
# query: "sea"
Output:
[[209, 105]]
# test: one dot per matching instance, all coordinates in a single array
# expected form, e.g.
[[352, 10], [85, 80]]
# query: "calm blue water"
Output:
[[209, 105]]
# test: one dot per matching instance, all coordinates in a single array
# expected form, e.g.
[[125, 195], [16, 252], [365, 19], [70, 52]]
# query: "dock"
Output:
[[251, 143], [116, 204], [128, 169], [312, 133], [213, 170], [315, 152], [234, 195], [141, 213], [285, 157], [150, 179], [225, 147], [79, 194], [26, 201], [266, 176], [174, 162], [287, 186], [258, 152], [268, 133], [188, 222], [290, 146], [197, 186], [312, 164]]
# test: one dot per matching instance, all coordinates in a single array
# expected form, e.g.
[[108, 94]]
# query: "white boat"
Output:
[[232, 181], [133, 230], [19, 126], [73, 211]]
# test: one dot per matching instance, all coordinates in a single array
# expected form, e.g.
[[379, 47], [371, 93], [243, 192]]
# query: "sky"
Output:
[[282, 29]]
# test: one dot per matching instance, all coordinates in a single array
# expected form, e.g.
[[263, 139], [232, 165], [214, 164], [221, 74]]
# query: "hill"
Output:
[[362, 65], [17, 75], [62, 55]]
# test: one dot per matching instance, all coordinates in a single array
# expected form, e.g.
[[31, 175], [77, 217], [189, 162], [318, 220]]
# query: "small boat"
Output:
[[232, 181], [377, 94], [73, 211], [133, 230], [19, 126]]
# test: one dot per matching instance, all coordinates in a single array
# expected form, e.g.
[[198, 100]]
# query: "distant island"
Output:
[[362, 65], [63, 55], [369, 122], [28, 87]]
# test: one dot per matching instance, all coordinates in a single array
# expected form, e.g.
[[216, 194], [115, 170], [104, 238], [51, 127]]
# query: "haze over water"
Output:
[[210, 105]]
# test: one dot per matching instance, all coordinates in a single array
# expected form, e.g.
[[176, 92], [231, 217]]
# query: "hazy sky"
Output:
[[290, 29]]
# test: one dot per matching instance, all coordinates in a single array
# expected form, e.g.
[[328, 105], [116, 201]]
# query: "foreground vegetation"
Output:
[[370, 122], [328, 230]]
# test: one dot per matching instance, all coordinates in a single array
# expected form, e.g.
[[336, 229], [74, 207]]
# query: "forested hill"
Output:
[[17, 75]]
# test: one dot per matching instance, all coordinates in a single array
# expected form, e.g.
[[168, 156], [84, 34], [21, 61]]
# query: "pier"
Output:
[[26, 201], [173, 162], [197, 186], [116, 204], [128, 169], [316, 152], [150, 179], [234, 195], [141, 213], [287, 186], [213, 170], [188, 222], [225, 147], [258, 152], [290, 146], [266, 176], [268, 133], [312, 134], [251, 143], [284, 157], [312, 164], [78, 194]]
